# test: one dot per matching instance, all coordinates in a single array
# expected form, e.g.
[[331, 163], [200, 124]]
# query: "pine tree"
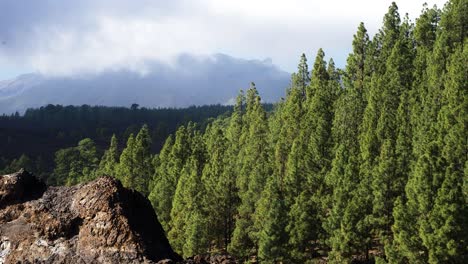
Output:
[[320, 114], [454, 27], [295, 175], [24, 162], [343, 178], [390, 78], [404, 159], [126, 162], [355, 74], [427, 176], [389, 35], [142, 160], [425, 224], [289, 121], [303, 175], [369, 150], [406, 242], [231, 160], [302, 227], [161, 196], [446, 237], [320, 117], [345, 238], [403, 148], [319, 75], [386, 185], [188, 233], [271, 219], [169, 172], [83, 167], [218, 199], [42, 168], [424, 36], [382, 191], [135, 167], [179, 212], [90, 158], [255, 167], [110, 159], [196, 234], [301, 79], [63, 160]]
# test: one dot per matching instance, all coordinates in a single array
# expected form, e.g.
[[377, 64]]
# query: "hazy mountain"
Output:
[[189, 81]]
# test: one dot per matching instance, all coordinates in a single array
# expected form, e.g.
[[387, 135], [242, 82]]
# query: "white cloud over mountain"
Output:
[[191, 80]]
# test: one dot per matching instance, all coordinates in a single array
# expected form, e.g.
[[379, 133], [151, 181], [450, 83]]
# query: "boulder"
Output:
[[97, 222], [19, 187]]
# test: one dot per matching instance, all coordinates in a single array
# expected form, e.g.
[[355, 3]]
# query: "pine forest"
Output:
[[365, 164]]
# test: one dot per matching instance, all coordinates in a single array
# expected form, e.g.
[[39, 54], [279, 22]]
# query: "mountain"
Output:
[[190, 80]]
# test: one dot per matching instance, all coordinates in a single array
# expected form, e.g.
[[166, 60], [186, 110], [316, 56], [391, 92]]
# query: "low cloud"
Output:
[[191, 80]]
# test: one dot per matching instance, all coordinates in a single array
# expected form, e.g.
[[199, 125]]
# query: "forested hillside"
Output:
[[357, 165], [31, 140], [368, 163]]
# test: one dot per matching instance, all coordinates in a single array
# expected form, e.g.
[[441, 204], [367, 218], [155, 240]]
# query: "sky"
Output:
[[69, 37]]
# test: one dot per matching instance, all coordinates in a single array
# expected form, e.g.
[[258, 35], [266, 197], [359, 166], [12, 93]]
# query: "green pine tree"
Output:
[[161, 195], [343, 178], [188, 233], [83, 167], [142, 159], [217, 202], [126, 163], [289, 120], [255, 168], [271, 219], [110, 159], [301, 79], [24, 162], [446, 237], [63, 160], [231, 160], [320, 114]]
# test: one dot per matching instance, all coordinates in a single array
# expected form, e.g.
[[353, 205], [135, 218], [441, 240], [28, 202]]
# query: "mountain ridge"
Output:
[[190, 80]]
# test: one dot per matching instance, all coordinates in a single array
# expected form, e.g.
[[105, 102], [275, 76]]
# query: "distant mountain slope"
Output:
[[190, 81]]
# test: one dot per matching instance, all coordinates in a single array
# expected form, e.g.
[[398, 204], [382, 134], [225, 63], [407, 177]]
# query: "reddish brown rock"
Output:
[[97, 222], [19, 187]]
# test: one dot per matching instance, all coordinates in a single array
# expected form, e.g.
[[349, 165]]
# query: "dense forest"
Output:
[[365, 164], [31, 140]]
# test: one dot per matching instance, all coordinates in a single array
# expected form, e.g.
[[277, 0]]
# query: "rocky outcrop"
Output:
[[97, 222], [19, 187]]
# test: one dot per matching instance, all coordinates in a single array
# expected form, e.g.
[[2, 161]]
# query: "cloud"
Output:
[[57, 37], [192, 80]]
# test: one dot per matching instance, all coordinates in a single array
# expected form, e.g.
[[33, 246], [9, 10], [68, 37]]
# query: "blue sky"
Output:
[[58, 37]]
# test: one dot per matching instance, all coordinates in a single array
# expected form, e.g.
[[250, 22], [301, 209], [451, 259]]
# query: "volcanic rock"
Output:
[[97, 222]]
